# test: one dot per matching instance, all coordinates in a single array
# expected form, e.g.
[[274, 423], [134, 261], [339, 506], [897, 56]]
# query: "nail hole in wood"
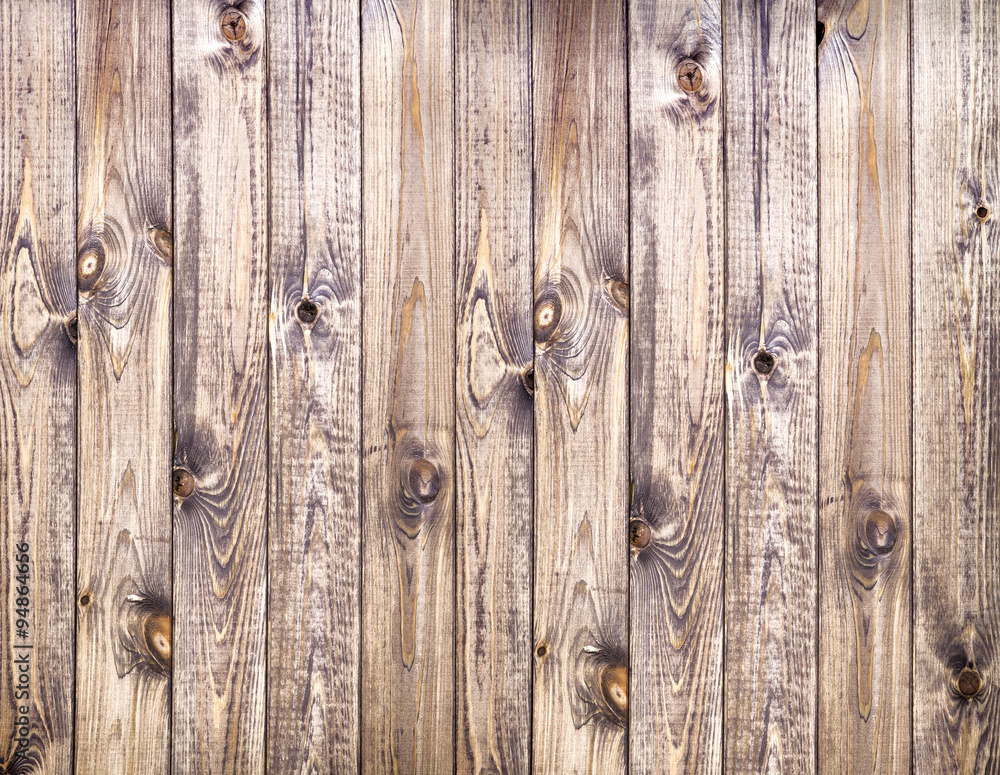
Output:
[[234, 25], [763, 363], [880, 531], [969, 682], [307, 311], [183, 483], [639, 534]]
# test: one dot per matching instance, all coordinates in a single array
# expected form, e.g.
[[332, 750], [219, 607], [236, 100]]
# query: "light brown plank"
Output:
[[124, 257], [677, 414], [37, 385], [581, 380], [408, 335], [956, 386], [771, 386], [220, 387], [315, 400], [864, 480], [494, 383]]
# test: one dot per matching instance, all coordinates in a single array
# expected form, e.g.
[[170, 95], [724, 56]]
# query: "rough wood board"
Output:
[[771, 444], [220, 390], [37, 378], [408, 533], [956, 384], [124, 435], [495, 352], [864, 349], [315, 398], [581, 381], [677, 412]]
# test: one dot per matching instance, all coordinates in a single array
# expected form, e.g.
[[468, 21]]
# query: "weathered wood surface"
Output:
[[315, 388], [408, 335], [495, 380], [864, 475], [956, 384], [771, 376], [37, 384], [124, 258], [581, 387], [677, 410], [220, 387]]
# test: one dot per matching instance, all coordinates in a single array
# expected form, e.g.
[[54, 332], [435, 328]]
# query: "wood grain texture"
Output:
[[956, 387], [581, 381], [37, 384], [864, 348], [408, 335], [220, 389], [771, 386], [495, 354], [677, 409], [124, 436], [315, 399]]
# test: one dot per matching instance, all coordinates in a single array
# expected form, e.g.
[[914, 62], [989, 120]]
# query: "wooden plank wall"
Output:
[[578, 386]]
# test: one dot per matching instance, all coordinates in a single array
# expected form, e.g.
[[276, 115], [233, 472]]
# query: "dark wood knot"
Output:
[[424, 481], [548, 313], [541, 651], [763, 363], [614, 687], [820, 33], [969, 683], [72, 327], [234, 24], [639, 534], [307, 311], [690, 76], [84, 600], [528, 380], [89, 265], [618, 291], [880, 532], [158, 633], [982, 212], [183, 482]]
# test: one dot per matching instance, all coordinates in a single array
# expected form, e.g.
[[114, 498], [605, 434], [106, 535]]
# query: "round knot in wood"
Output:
[[639, 534], [234, 24], [969, 683], [880, 532], [424, 481], [690, 76]]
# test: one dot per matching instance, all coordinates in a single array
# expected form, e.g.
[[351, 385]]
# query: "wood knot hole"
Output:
[[820, 33], [969, 682], [424, 480], [234, 25], [163, 243], [880, 531], [84, 599], [690, 76], [614, 686], [72, 328], [157, 631], [307, 311], [541, 651], [528, 380], [548, 312], [618, 290], [183, 482], [763, 363], [982, 212], [89, 266], [639, 534]]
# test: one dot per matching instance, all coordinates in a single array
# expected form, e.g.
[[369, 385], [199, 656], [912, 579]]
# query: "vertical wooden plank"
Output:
[[771, 376], [956, 386], [864, 482], [220, 386], [123, 273], [37, 386], [677, 414], [494, 385], [315, 400], [581, 379], [408, 532]]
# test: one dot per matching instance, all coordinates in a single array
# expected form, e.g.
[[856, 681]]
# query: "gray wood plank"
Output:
[[408, 335], [677, 406], [956, 386], [771, 386], [124, 255], [865, 454], [37, 385], [315, 394], [495, 353], [220, 386], [581, 387]]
